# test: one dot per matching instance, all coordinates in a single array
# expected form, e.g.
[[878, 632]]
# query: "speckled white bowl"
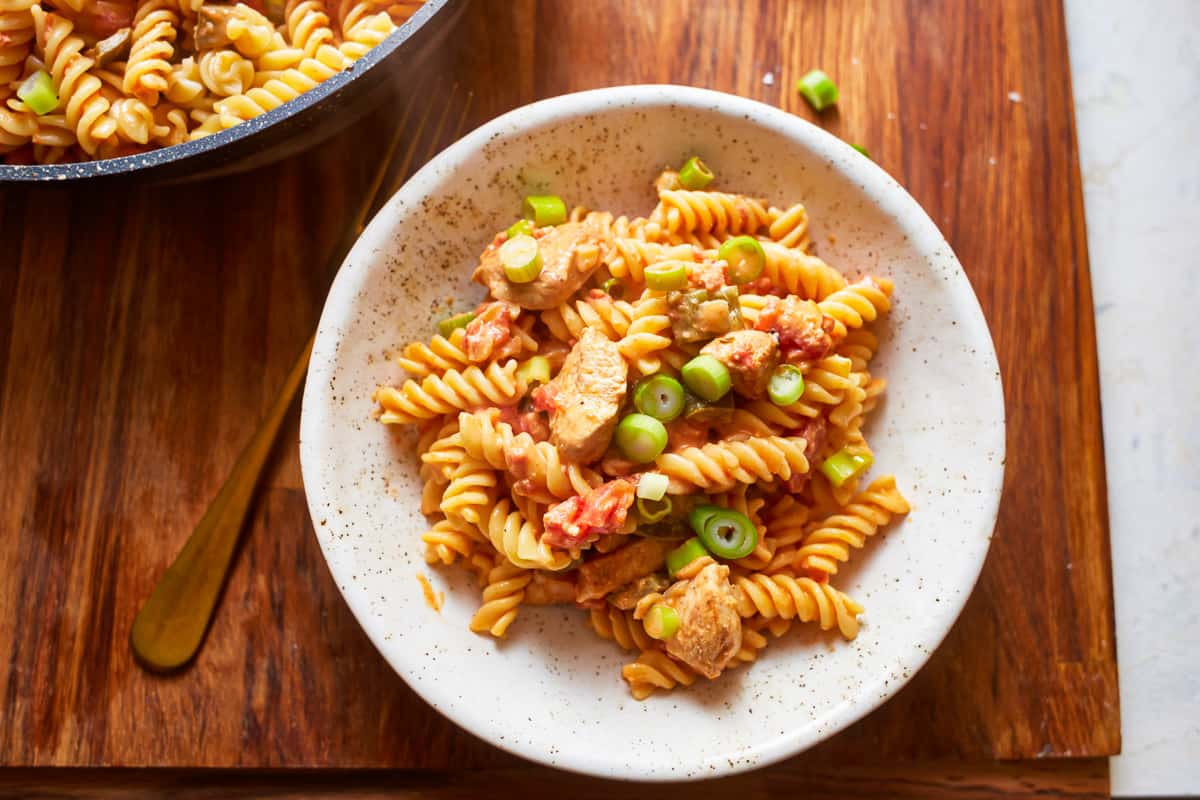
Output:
[[552, 692]]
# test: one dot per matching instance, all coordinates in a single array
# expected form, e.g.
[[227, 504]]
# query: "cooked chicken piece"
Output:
[[626, 598], [585, 397], [599, 576], [570, 254], [750, 356], [210, 26], [710, 630], [804, 332], [487, 334], [549, 590]]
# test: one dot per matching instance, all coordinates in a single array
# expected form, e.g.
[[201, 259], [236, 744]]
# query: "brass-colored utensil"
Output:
[[170, 627]]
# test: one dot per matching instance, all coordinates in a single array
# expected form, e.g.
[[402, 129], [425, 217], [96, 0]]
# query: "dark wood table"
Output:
[[144, 330]]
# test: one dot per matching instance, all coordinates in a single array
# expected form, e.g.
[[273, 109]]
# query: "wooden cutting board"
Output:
[[143, 332]]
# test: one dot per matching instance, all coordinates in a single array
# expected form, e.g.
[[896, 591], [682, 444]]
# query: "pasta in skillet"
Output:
[[106, 78], [658, 420]]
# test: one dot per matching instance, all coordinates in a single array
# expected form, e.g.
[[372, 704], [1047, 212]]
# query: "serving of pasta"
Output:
[[658, 420], [96, 79]]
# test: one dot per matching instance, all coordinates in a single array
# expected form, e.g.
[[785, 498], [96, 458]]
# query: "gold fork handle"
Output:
[[168, 630]]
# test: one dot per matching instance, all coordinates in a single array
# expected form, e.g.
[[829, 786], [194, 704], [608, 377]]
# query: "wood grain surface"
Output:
[[143, 331]]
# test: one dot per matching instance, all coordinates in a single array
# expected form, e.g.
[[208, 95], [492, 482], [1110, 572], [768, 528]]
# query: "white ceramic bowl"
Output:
[[552, 692]]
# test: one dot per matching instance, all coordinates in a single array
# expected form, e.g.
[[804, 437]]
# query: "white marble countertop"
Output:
[[1136, 73]]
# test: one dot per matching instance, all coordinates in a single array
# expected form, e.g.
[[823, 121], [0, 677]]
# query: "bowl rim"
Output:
[[882, 190], [196, 148]]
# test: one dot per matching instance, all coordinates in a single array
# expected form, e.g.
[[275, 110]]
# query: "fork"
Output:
[[170, 627]]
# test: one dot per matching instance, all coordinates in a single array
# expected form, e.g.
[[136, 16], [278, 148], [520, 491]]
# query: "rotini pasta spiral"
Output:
[[628, 257], [645, 336], [621, 627], [541, 465], [308, 25], [448, 541], [226, 72], [251, 33], [718, 466], [470, 493], [502, 597], [790, 226], [16, 127], [16, 41], [858, 303], [715, 213], [520, 539], [452, 391], [365, 34], [610, 317], [655, 670], [829, 541], [799, 273], [789, 597], [78, 91], [154, 30]]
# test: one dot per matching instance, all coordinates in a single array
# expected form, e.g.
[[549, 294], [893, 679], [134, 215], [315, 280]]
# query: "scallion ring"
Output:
[[641, 438], [729, 534], [700, 514], [653, 510], [660, 396], [661, 622], [694, 175], [545, 209], [666, 276], [683, 555], [786, 385], [450, 324], [845, 465], [614, 288], [707, 377], [818, 89], [745, 258], [522, 227], [38, 92], [652, 485], [535, 370], [521, 259]]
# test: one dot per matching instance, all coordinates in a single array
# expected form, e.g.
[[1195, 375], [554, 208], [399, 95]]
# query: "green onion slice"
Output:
[[652, 485], [545, 209], [728, 534], [745, 258], [699, 412], [786, 385], [521, 259], [700, 514], [660, 396], [844, 465], [522, 227], [534, 370], [450, 324], [861, 149], [694, 175], [666, 276], [641, 438], [614, 288], [707, 377], [818, 89], [685, 554], [38, 92], [661, 622], [653, 510]]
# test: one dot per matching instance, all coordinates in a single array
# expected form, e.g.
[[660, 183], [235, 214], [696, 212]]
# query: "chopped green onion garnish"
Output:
[[685, 554], [653, 510], [700, 514], [666, 276], [707, 377], [844, 465], [652, 485], [520, 227], [745, 258], [699, 412], [728, 534], [694, 175], [660, 396], [521, 259], [818, 89], [614, 288], [661, 622], [861, 149], [786, 385], [38, 92], [545, 209], [535, 370], [641, 438], [450, 324]]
